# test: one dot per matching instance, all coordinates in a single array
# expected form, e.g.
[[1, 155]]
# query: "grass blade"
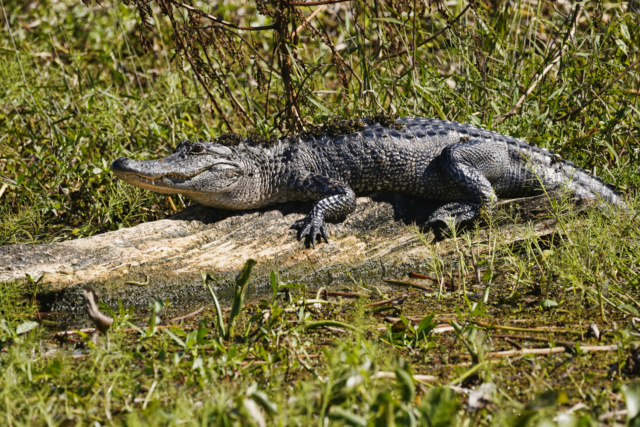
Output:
[[241, 289], [219, 320]]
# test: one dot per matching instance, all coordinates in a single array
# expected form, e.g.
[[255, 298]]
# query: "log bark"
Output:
[[164, 259]]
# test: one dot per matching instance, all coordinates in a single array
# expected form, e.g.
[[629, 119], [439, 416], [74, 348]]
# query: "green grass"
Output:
[[77, 91], [298, 359]]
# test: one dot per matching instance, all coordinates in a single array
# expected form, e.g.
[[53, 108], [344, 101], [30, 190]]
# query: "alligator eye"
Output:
[[197, 149], [180, 145]]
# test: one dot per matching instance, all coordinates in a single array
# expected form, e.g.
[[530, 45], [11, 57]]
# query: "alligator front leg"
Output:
[[469, 166], [337, 200]]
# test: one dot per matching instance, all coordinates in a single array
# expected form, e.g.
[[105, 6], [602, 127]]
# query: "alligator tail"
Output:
[[590, 186], [552, 172]]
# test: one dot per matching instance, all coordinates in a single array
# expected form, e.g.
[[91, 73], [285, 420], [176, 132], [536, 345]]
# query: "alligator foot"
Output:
[[312, 229], [455, 214]]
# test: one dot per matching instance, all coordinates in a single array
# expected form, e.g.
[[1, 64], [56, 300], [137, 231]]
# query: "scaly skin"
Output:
[[464, 167]]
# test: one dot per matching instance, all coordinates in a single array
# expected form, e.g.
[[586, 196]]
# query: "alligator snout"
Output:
[[148, 168], [120, 165]]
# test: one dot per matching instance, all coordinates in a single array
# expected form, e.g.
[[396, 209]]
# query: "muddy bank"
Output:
[[164, 259]]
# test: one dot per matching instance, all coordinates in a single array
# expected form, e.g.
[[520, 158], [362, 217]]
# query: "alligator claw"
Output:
[[460, 212], [459, 215], [312, 230]]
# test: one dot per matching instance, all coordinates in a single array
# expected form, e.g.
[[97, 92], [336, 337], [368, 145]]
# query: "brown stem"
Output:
[[299, 91], [223, 83], [187, 316], [317, 3], [432, 278], [422, 43], [346, 294], [307, 20], [408, 284], [91, 330], [396, 300], [635, 103], [536, 339], [476, 269], [551, 350], [283, 37], [187, 55], [516, 329], [245, 42], [220, 21], [392, 375]]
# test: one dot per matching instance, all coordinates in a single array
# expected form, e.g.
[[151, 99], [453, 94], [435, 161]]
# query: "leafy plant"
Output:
[[242, 280]]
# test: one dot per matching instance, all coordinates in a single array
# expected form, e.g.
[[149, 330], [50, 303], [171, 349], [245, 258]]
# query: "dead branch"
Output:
[[416, 377], [220, 21], [395, 300], [317, 3], [243, 40], [308, 19], [408, 284], [187, 55], [187, 316], [436, 34]]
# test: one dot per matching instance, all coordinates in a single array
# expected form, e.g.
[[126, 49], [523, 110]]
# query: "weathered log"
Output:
[[164, 259]]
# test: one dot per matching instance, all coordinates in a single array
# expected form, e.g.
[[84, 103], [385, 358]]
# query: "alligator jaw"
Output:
[[138, 174], [161, 176], [160, 184]]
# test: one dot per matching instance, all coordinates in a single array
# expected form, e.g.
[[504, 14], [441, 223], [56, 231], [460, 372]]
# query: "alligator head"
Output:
[[193, 169]]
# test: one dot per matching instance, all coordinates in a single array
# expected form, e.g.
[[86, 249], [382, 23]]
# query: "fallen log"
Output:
[[164, 259]]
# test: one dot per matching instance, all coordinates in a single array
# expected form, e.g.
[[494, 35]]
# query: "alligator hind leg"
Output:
[[469, 167]]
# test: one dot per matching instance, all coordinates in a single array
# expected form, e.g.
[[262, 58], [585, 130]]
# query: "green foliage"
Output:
[[242, 281], [16, 311], [632, 395]]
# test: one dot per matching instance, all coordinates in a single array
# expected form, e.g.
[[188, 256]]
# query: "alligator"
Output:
[[464, 167]]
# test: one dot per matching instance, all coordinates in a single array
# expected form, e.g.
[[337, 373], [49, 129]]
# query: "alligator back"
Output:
[[407, 157]]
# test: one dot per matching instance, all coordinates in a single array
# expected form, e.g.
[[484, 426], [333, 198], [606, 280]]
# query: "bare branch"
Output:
[[307, 20], [317, 3], [218, 20], [249, 45], [187, 55], [222, 83], [186, 316]]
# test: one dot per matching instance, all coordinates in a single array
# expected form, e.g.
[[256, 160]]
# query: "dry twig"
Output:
[[187, 316], [396, 300], [408, 284]]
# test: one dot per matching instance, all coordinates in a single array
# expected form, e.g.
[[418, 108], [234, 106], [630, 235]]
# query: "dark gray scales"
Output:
[[461, 166]]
